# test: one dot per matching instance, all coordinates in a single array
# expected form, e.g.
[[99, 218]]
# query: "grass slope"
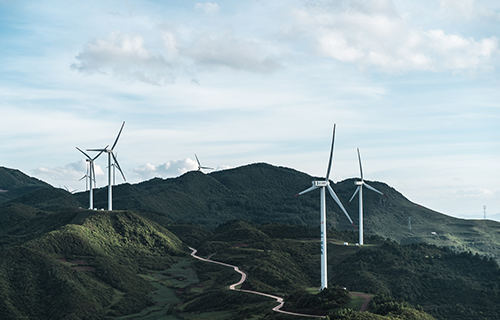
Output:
[[85, 270]]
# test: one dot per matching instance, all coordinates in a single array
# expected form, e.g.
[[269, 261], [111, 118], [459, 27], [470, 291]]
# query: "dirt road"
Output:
[[243, 278]]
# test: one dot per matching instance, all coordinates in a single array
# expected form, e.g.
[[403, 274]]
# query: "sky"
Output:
[[414, 84]]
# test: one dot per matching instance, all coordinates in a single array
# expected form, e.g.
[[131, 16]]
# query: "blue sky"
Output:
[[413, 84]]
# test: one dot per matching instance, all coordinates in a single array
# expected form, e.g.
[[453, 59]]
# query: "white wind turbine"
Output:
[[325, 184], [91, 174], [360, 184], [199, 165], [86, 176], [115, 162]]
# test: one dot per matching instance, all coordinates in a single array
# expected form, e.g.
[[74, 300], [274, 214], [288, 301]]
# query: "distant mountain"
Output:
[[14, 183], [262, 193], [495, 217]]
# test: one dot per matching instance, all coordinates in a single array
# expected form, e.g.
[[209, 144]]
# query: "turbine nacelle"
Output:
[[320, 183], [200, 167], [358, 183]]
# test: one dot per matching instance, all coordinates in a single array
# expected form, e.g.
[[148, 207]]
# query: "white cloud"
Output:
[[465, 8], [124, 56], [168, 169], [226, 50], [374, 35], [67, 174], [469, 9], [207, 7]]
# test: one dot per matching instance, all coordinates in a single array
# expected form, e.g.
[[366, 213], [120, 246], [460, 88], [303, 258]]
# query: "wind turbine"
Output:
[[86, 176], [360, 184], [115, 161], [69, 190], [199, 165], [322, 185], [91, 174]]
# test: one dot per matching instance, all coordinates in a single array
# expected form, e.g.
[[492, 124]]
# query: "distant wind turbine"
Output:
[[360, 184], [92, 175], [199, 165], [69, 190], [111, 159], [325, 184], [86, 176]]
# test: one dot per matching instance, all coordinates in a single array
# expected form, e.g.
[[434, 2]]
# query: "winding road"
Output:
[[243, 278]]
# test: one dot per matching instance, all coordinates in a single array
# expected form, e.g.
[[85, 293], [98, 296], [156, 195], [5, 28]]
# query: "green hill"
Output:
[[261, 193], [14, 183], [86, 269]]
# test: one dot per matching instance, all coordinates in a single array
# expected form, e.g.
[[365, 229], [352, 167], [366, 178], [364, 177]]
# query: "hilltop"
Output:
[[14, 183], [85, 269]]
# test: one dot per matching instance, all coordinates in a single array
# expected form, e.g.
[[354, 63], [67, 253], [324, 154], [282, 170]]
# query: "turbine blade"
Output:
[[83, 152], [208, 168], [360, 167], [96, 149], [118, 136], [307, 190], [117, 165], [100, 153], [354, 194], [199, 165], [85, 176], [331, 155], [372, 188], [336, 198], [93, 171]]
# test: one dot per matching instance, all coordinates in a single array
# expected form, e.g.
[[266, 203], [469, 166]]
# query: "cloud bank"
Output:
[[124, 56], [372, 34]]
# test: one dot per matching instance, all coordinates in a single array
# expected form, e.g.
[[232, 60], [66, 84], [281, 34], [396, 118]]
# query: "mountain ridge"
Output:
[[262, 193]]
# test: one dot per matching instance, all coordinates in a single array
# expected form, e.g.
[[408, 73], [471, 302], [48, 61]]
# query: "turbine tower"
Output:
[[199, 165], [91, 172], [322, 185], [114, 169], [111, 160], [360, 184]]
